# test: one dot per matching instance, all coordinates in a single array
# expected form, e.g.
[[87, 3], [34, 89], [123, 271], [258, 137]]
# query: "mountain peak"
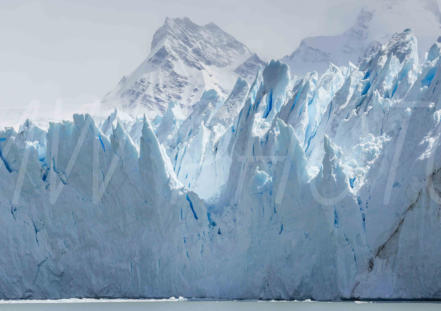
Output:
[[178, 20], [207, 44], [185, 60]]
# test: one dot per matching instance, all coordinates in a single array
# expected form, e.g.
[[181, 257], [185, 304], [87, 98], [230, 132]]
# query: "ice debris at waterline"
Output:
[[326, 187]]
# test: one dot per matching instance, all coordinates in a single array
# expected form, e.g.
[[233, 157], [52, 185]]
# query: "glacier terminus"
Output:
[[216, 174]]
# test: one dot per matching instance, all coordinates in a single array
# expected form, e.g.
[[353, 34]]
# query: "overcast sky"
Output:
[[78, 50]]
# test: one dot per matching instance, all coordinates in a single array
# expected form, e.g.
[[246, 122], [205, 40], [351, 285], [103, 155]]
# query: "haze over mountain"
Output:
[[374, 25]]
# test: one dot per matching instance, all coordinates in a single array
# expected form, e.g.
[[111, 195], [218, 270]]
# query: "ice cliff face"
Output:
[[326, 187], [184, 61]]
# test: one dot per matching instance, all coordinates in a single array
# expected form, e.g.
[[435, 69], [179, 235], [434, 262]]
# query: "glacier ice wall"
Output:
[[185, 60], [326, 187]]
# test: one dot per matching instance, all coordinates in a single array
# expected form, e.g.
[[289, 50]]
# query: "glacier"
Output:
[[325, 187]]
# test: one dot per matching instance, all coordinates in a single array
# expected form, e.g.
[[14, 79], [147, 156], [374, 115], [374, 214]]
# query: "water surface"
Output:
[[169, 305]]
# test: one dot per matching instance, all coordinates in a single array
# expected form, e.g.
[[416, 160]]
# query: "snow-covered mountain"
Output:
[[317, 53], [324, 187], [373, 26], [184, 61]]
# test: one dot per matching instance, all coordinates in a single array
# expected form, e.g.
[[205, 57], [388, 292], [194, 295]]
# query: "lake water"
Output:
[[128, 305]]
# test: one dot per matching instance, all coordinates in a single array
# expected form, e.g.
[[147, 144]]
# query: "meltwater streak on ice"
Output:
[[272, 230]]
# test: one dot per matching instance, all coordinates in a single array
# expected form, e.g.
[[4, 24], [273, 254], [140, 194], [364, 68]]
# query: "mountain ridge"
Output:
[[185, 60]]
